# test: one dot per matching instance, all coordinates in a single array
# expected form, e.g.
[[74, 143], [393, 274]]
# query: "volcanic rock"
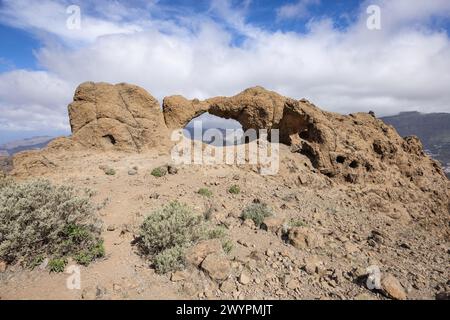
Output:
[[352, 150], [116, 117], [392, 287], [200, 251]]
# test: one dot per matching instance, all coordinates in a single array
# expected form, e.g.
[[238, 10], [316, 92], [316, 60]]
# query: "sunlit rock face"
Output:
[[116, 117]]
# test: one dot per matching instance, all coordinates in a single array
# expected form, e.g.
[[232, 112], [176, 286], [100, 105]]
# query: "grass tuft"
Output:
[[159, 172], [205, 192], [257, 212], [234, 189]]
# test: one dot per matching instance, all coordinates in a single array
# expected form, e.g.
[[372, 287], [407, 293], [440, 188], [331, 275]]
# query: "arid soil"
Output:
[[361, 197], [356, 235]]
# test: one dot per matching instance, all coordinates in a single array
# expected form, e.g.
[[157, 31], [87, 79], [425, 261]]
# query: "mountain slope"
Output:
[[433, 129], [13, 147]]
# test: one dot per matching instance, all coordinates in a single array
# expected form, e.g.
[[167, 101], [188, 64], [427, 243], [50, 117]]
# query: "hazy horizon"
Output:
[[344, 56]]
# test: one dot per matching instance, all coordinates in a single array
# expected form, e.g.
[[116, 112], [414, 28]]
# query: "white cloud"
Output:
[[51, 17], [33, 100], [405, 66], [401, 12], [297, 10]]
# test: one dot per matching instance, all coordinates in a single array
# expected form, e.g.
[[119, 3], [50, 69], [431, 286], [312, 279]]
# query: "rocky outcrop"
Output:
[[116, 117], [254, 108], [353, 149]]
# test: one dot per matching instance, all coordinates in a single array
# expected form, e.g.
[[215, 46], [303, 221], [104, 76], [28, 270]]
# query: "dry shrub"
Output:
[[39, 220], [167, 233]]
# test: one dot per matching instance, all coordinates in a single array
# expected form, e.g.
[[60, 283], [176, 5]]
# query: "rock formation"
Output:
[[354, 148], [350, 193], [254, 108], [349, 149], [120, 117]]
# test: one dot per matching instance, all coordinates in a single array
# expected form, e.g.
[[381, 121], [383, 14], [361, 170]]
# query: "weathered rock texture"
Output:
[[121, 117], [354, 149], [254, 108], [350, 193]]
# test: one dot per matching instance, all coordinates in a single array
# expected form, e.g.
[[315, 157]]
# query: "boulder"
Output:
[[304, 237], [217, 266], [200, 251], [119, 117], [244, 278], [392, 288], [272, 224]]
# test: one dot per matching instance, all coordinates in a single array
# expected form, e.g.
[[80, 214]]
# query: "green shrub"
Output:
[[37, 261], [168, 232], [159, 172], [38, 220], [234, 189], [296, 223], [209, 211], [205, 192], [227, 246], [57, 265], [110, 171], [172, 226], [257, 212], [169, 260], [86, 256], [216, 233]]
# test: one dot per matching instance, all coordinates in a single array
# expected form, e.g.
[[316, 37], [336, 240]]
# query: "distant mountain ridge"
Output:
[[13, 147], [433, 129]]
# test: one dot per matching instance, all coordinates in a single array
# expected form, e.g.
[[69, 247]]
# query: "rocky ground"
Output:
[[351, 196], [342, 233], [5, 164]]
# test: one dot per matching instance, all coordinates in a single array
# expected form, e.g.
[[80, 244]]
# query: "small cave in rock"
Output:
[[369, 167], [109, 139], [304, 134], [354, 164], [310, 153], [340, 159], [310, 133], [216, 131]]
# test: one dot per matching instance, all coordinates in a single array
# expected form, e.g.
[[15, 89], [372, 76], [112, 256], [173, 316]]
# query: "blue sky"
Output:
[[318, 49]]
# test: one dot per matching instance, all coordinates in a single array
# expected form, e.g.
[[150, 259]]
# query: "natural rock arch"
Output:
[[352, 148], [254, 108], [257, 108]]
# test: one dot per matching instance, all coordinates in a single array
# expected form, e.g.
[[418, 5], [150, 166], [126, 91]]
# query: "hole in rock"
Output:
[[309, 152], [304, 135], [216, 131], [368, 167], [340, 159], [109, 139], [354, 164]]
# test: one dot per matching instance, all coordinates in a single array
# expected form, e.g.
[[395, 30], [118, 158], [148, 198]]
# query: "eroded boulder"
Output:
[[119, 117], [355, 149]]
